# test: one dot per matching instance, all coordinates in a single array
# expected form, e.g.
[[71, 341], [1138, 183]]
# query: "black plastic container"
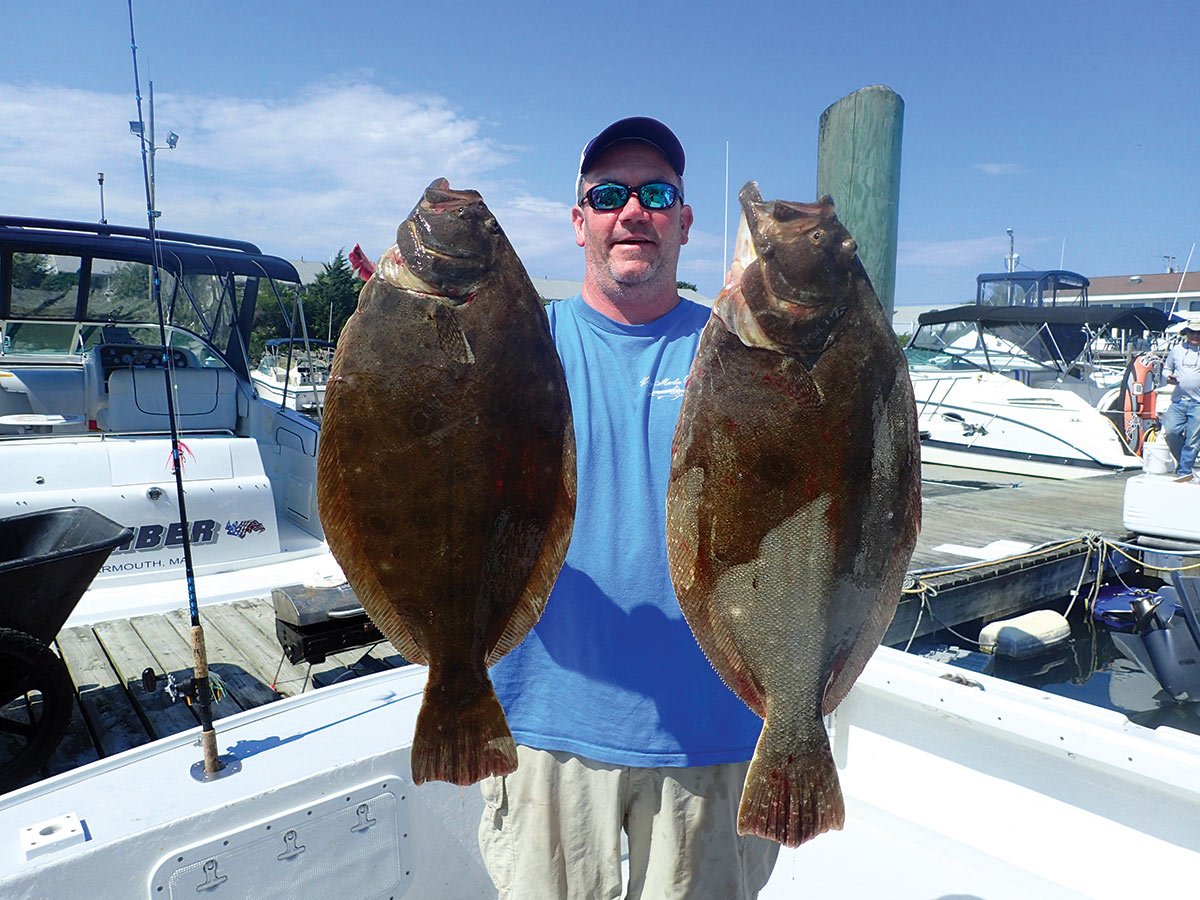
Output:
[[47, 560]]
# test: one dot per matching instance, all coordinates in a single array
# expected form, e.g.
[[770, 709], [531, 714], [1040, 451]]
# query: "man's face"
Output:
[[1192, 337], [631, 245]]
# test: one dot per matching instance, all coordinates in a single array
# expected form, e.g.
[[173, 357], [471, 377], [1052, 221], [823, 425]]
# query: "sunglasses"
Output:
[[609, 196]]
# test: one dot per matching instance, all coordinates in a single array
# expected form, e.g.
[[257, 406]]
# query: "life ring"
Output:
[[1139, 398]]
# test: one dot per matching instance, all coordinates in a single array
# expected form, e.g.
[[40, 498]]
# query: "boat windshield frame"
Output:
[[67, 286]]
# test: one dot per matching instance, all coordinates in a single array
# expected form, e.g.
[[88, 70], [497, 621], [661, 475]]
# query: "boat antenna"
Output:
[[1182, 276], [202, 684], [725, 238]]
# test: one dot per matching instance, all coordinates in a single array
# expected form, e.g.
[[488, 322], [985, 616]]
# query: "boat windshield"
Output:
[[994, 348], [44, 341], [939, 348], [61, 304]]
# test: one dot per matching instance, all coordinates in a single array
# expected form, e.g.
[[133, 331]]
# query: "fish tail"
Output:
[[463, 743], [791, 795]]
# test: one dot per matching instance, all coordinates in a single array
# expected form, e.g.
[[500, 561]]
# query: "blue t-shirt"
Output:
[[612, 671]]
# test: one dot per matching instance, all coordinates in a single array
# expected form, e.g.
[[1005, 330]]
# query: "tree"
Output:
[[30, 270], [685, 286], [334, 294], [334, 291]]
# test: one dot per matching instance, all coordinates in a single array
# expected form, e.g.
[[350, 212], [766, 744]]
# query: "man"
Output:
[[1181, 421], [620, 721]]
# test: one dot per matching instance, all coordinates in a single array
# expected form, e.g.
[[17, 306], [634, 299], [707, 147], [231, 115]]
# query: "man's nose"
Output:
[[633, 208]]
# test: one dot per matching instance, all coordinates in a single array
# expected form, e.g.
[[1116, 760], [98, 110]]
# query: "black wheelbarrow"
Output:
[[47, 561]]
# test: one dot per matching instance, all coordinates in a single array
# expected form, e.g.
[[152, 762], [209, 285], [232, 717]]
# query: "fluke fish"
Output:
[[794, 499], [446, 470]]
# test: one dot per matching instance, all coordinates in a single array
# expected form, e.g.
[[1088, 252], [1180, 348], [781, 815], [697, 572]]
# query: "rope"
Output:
[[1097, 551]]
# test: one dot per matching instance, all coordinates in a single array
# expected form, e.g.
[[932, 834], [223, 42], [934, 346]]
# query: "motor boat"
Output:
[[1011, 383], [89, 377], [293, 372]]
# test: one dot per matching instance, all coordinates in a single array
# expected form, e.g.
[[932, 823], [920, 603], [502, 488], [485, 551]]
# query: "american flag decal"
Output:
[[241, 529]]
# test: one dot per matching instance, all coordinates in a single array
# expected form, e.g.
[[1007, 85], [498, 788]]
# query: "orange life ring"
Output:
[[1140, 400]]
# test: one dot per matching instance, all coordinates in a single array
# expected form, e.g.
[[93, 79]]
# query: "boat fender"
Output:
[[1026, 635]]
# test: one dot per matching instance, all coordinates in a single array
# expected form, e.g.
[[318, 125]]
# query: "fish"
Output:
[[794, 498], [446, 468]]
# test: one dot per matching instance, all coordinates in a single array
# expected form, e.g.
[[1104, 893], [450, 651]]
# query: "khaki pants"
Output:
[[552, 831]]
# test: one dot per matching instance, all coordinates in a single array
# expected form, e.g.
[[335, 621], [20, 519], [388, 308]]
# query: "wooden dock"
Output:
[[1060, 522], [106, 660], [115, 713]]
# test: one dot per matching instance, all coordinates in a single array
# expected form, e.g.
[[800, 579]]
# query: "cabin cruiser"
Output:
[[1011, 383], [84, 379], [294, 372]]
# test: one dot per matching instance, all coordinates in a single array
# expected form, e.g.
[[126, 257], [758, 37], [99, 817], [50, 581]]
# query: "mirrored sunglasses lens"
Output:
[[608, 196], [657, 196]]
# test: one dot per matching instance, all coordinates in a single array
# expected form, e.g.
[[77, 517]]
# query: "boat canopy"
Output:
[[91, 277], [1133, 318], [1006, 338], [1051, 287]]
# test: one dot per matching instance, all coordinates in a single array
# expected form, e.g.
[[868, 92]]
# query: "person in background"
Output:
[[1181, 421], [621, 723]]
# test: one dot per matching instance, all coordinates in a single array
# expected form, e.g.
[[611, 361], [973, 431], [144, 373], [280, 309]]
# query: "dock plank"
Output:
[[130, 656], [261, 655], [77, 747], [103, 700]]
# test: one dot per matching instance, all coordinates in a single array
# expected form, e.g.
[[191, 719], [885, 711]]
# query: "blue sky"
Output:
[[308, 127]]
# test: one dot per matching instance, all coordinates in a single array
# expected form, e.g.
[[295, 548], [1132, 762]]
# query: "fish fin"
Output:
[[350, 555], [550, 559], [461, 744], [842, 678], [791, 799], [383, 614], [451, 337]]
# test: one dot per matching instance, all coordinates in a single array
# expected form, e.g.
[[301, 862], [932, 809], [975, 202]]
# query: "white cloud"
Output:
[[974, 253], [341, 163], [993, 168]]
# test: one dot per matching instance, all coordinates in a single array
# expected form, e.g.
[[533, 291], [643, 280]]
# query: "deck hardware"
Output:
[[291, 846], [211, 878], [154, 493], [364, 818]]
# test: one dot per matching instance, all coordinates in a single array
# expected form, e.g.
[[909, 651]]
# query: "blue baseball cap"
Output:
[[635, 128]]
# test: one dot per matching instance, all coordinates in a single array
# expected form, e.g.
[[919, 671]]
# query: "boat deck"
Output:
[[106, 660]]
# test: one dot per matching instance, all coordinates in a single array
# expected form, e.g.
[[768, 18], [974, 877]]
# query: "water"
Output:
[[1088, 668]]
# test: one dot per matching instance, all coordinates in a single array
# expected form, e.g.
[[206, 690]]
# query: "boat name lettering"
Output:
[[131, 566], [155, 536]]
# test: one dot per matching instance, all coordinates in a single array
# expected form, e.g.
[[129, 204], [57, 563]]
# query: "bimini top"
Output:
[[1143, 318], [1051, 287], [64, 283], [180, 252]]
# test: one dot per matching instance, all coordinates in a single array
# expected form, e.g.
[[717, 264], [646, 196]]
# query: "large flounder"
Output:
[[794, 499], [446, 472]]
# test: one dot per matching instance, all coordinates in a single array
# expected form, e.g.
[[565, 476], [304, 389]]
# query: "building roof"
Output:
[[1144, 288]]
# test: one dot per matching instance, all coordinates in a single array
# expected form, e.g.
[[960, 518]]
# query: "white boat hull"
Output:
[[988, 421], [984, 789]]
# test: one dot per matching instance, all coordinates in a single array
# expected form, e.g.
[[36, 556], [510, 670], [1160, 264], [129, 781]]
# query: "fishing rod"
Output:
[[202, 685]]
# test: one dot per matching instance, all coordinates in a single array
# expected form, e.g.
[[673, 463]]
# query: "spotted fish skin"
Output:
[[446, 468], [794, 500]]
